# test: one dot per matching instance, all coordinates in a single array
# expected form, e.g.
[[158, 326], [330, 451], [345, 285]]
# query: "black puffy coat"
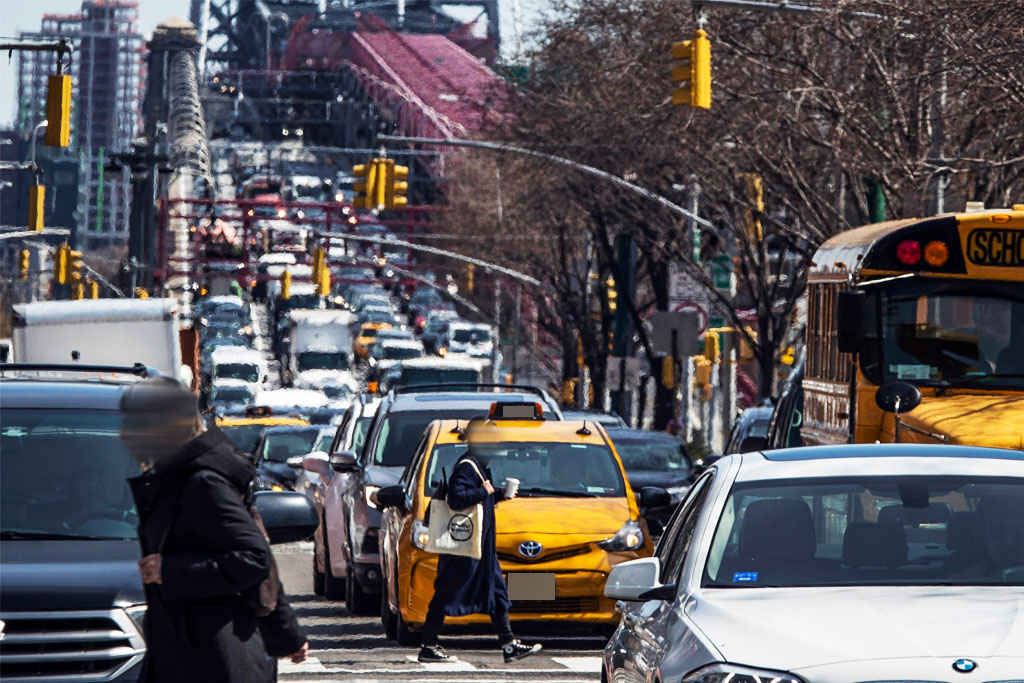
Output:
[[198, 626], [464, 585]]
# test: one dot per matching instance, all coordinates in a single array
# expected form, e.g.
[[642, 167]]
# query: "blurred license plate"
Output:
[[531, 586]]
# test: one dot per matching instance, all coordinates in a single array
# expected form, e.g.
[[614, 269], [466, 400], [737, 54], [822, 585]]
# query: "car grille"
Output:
[[556, 606], [68, 646], [548, 557]]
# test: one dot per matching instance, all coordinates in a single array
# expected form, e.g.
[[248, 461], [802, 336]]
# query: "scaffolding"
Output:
[[110, 62]]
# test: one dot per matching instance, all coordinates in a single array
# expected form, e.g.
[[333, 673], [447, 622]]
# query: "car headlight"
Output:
[[420, 535], [734, 673], [137, 613], [629, 537], [370, 495]]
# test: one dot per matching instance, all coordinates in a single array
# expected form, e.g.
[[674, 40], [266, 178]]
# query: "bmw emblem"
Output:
[[965, 666], [530, 549]]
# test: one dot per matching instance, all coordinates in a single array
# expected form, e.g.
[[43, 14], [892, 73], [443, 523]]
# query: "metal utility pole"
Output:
[[622, 344], [937, 112], [496, 344]]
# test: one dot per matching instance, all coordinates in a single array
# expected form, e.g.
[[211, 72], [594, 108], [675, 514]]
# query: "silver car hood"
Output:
[[793, 628]]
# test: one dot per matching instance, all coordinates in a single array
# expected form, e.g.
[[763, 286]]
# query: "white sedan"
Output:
[[833, 565]]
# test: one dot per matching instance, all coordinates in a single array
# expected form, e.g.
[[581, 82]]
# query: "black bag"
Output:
[[262, 599]]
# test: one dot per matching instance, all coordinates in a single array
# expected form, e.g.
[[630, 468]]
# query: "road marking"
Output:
[[443, 667], [580, 665], [312, 665]]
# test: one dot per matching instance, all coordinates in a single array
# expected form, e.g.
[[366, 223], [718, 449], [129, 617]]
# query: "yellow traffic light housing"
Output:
[[613, 294], [92, 289], [60, 264], [694, 73], [286, 285], [36, 207], [74, 276], [140, 293], [396, 185], [24, 261], [470, 271], [366, 188], [58, 110], [755, 191]]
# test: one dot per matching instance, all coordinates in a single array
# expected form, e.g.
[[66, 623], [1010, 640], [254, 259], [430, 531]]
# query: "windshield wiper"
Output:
[[15, 535], [558, 494]]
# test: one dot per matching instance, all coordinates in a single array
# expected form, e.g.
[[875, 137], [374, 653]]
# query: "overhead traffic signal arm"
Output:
[[694, 73]]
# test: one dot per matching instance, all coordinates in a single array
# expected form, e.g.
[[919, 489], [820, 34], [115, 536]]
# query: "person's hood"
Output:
[[969, 419], [211, 450], [70, 575], [790, 629]]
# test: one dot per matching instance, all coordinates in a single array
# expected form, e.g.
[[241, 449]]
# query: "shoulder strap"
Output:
[[473, 465]]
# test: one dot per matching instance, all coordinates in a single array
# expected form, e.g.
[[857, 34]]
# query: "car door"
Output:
[[393, 521], [650, 628]]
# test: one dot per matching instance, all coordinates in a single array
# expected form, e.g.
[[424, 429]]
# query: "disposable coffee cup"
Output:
[[511, 487]]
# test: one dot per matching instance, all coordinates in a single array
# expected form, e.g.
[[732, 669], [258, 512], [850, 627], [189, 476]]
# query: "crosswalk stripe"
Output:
[[443, 667], [580, 665]]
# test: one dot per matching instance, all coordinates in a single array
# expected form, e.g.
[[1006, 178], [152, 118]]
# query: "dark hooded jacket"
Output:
[[198, 626], [464, 585]]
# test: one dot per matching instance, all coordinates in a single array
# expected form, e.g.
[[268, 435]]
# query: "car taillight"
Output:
[[908, 252], [936, 253]]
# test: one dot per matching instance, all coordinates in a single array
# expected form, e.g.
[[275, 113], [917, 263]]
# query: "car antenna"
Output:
[[583, 431]]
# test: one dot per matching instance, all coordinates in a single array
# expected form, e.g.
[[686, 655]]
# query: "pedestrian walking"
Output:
[[204, 557], [465, 585]]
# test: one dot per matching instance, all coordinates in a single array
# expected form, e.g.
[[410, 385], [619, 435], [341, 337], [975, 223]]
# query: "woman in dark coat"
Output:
[[202, 552], [467, 586]]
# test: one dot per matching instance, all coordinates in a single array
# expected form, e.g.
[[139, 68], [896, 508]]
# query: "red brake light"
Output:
[[908, 252]]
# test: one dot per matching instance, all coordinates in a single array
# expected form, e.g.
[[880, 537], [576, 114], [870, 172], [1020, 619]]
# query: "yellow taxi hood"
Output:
[[969, 419], [588, 516]]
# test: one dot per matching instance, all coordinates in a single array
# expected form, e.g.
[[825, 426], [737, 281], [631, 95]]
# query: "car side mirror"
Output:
[[287, 516], [751, 444], [897, 397], [392, 497], [654, 497], [344, 461], [318, 463], [633, 580], [851, 305]]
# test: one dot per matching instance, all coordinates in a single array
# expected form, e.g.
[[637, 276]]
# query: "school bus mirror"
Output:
[[897, 397], [850, 312]]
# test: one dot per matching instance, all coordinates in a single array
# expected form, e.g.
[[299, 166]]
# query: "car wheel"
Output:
[[359, 602], [318, 576], [334, 589]]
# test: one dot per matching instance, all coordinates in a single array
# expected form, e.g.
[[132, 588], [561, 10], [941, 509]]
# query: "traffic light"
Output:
[[36, 207], [396, 185], [92, 289], [470, 270], [323, 280], [24, 259], [694, 72], [668, 372], [74, 276], [380, 193], [318, 260], [58, 110], [755, 191], [613, 294], [140, 293], [60, 264], [364, 188], [286, 285]]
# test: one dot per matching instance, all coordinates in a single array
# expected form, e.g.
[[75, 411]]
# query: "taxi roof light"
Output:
[[936, 253], [509, 410], [908, 252]]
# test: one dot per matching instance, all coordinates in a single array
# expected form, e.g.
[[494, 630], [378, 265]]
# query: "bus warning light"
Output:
[[908, 252], [936, 253]]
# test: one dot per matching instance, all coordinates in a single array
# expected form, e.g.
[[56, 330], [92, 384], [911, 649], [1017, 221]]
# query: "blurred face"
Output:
[[1004, 531], [482, 441], [152, 436]]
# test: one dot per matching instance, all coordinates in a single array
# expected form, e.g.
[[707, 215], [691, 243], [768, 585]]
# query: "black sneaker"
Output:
[[516, 650], [435, 655]]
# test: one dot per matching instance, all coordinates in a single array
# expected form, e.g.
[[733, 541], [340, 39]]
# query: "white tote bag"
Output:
[[456, 532]]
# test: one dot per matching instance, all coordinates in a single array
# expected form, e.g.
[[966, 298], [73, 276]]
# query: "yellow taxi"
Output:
[[575, 518], [245, 431], [366, 338]]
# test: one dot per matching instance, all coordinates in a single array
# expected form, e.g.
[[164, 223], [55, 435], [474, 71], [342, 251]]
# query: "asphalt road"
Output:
[[354, 649]]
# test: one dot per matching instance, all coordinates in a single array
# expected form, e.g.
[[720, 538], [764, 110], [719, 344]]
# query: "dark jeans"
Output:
[[435, 621]]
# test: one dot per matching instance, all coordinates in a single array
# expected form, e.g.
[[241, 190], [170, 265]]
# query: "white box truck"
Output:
[[320, 351], [101, 332]]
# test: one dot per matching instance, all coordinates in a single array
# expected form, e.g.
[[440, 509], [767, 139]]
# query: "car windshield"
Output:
[[279, 446], [939, 334], [368, 332], [63, 475], [653, 455], [477, 336], [400, 352], [232, 395], [336, 391], [322, 360], [401, 432], [245, 437], [247, 372], [414, 376], [359, 432], [863, 530], [543, 469]]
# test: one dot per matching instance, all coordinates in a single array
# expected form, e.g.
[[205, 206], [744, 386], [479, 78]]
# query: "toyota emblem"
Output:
[[965, 666], [530, 549]]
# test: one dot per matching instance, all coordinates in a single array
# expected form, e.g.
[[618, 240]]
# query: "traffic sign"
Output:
[[721, 272], [684, 325], [614, 373], [702, 314]]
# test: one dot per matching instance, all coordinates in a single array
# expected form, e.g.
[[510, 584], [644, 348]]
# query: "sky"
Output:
[[25, 15]]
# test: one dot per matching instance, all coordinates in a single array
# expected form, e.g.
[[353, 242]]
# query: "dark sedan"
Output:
[[654, 459], [278, 455]]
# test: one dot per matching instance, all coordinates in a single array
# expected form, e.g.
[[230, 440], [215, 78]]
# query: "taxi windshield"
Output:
[[63, 475], [245, 437], [247, 372], [279, 446], [544, 469], [948, 334], [859, 530]]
